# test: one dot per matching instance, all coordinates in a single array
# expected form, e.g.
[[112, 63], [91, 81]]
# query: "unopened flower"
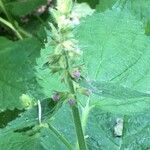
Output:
[[88, 92], [56, 96], [69, 45], [75, 19], [71, 102], [63, 21], [26, 100], [76, 74], [64, 6]]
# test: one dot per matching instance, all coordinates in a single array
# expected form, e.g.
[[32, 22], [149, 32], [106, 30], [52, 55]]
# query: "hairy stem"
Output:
[[61, 137], [75, 110]]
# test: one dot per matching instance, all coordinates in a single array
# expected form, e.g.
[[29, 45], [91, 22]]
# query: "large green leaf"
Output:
[[140, 9], [116, 52], [116, 43], [26, 130], [43, 140], [16, 71], [100, 131], [21, 8]]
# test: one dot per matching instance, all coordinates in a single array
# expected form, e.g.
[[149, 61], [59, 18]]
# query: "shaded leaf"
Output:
[[44, 140], [21, 8], [29, 118], [17, 60], [100, 131], [92, 3], [26, 133]]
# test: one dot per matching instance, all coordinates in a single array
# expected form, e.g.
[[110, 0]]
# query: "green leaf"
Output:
[[17, 60], [139, 9], [100, 131], [105, 4], [44, 140], [92, 3], [82, 10], [48, 81], [21, 8], [36, 26], [113, 90], [26, 130], [29, 119], [116, 43], [7, 116]]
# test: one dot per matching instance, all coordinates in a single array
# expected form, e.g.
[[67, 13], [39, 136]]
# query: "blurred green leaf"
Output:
[[100, 131], [17, 60], [105, 4], [23, 7]]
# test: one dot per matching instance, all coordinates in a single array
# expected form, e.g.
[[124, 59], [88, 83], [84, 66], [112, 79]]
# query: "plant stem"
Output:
[[77, 121], [5, 11], [75, 110], [61, 137], [8, 24]]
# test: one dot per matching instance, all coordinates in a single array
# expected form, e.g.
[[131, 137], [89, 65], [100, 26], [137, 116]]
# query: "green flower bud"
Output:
[[64, 6], [26, 100]]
